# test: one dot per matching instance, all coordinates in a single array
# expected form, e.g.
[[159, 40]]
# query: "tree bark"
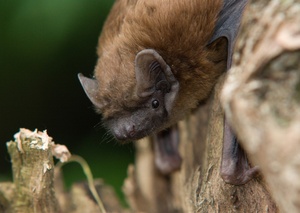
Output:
[[32, 165], [261, 96]]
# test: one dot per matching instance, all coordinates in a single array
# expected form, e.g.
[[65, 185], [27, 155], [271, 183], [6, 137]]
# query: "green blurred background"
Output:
[[43, 45]]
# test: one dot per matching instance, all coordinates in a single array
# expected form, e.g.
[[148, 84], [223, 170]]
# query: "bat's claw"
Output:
[[235, 168], [237, 175]]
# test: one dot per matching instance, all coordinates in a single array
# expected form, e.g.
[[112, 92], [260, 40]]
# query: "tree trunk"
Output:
[[261, 96]]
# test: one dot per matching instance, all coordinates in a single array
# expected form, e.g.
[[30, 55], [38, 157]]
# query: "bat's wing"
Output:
[[228, 24], [234, 166]]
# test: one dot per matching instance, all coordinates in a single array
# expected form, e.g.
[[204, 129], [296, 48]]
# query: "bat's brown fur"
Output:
[[179, 31]]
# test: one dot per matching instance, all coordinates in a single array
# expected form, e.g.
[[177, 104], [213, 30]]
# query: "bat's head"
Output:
[[135, 99]]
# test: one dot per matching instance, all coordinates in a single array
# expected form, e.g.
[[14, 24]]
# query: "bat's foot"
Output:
[[167, 157], [235, 168], [238, 176]]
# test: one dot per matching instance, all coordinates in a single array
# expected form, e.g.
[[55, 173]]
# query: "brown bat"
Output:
[[158, 60]]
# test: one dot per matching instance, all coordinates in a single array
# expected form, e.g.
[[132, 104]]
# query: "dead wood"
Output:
[[261, 96], [37, 185]]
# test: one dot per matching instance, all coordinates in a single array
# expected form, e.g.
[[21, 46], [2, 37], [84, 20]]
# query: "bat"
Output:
[[157, 60]]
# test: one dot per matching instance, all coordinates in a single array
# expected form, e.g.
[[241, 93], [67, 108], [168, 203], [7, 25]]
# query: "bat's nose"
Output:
[[126, 132], [120, 135]]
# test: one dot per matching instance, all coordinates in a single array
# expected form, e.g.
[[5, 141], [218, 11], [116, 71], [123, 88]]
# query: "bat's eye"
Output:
[[155, 104]]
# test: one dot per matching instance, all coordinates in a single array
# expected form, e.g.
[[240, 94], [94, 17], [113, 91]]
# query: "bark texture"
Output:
[[33, 171], [261, 96]]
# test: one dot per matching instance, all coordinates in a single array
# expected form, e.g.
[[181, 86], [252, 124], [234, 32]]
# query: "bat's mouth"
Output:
[[125, 135], [130, 131]]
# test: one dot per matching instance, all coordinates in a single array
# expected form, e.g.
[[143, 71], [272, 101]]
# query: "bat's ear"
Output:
[[153, 73], [90, 86]]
